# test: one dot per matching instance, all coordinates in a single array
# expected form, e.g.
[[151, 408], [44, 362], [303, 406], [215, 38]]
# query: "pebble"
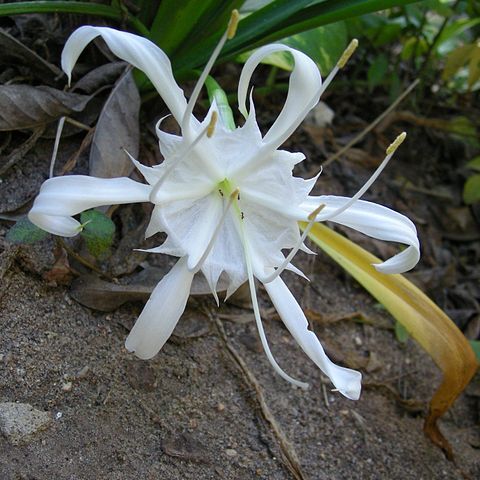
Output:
[[230, 452], [20, 421], [67, 387]]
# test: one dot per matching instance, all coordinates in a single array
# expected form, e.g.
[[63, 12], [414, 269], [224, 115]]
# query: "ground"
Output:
[[209, 405]]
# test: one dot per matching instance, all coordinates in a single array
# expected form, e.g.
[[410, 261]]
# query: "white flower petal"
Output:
[[303, 92], [375, 221], [62, 197], [347, 381], [161, 313], [150, 174], [138, 51]]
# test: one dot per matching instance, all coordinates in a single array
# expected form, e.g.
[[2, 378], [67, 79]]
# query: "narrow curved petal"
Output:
[[62, 197], [347, 381], [161, 313], [139, 52], [303, 92], [375, 221]]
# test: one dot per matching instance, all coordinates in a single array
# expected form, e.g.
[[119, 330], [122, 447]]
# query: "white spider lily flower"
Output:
[[226, 199]]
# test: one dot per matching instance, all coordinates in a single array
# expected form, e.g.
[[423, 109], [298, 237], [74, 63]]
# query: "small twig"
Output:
[[77, 124], [58, 135], [372, 125], [288, 453], [72, 161], [84, 261], [22, 150]]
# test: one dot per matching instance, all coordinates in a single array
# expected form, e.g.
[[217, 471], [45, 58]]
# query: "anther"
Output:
[[211, 125], [390, 151], [220, 192], [398, 141], [235, 193], [347, 53], [233, 24], [312, 216]]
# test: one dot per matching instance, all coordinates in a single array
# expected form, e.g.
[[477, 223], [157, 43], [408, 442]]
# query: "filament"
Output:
[[311, 220]]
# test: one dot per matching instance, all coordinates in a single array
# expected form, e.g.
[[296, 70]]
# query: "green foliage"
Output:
[[471, 189], [189, 29], [465, 56], [217, 94], [377, 71], [401, 332], [24, 231], [98, 231], [324, 44], [474, 164], [476, 348]]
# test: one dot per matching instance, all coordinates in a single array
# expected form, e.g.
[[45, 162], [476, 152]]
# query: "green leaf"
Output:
[[401, 332], [98, 231], [456, 60], [377, 71], [324, 45], [471, 189], [414, 47], [24, 231], [278, 19], [217, 94], [82, 8], [474, 164]]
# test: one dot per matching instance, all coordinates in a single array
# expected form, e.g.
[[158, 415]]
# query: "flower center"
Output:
[[226, 189]]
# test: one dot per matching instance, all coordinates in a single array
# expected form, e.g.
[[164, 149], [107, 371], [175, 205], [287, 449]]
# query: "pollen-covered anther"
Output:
[[212, 124], [396, 143], [235, 194], [313, 215], [352, 46], [233, 24]]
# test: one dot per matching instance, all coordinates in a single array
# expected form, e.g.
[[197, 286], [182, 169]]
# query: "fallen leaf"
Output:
[[186, 447], [100, 76], [104, 296], [24, 106], [117, 129], [14, 52], [423, 320]]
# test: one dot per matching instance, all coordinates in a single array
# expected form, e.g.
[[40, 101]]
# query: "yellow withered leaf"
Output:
[[424, 321]]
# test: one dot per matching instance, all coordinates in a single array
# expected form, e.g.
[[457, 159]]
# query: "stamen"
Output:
[[352, 46], [233, 24], [311, 220], [207, 251], [180, 156], [186, 127], [340, 64], [398, 141], [258, 320], [390, 151], [211, 125]]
